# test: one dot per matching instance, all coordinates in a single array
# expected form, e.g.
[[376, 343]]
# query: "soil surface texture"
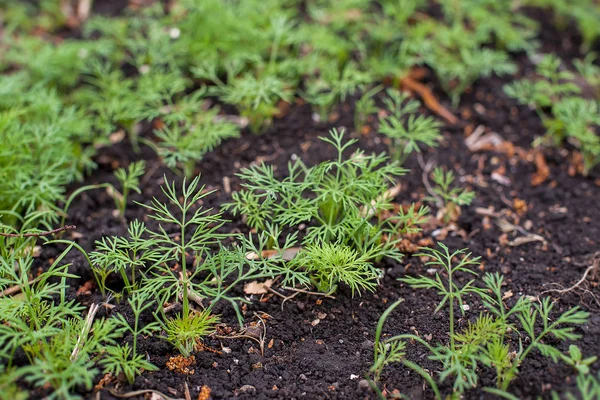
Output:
[[321, 348]]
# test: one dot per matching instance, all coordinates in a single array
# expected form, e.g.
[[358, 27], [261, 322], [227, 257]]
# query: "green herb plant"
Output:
[[448, 197], [186, 261], [182, 144], [60, 345], [339, 200], [333, 85], [364, 107], [196, 230], [129, 179], [485, 342], [124, 358], [565, 114], [404, 128]]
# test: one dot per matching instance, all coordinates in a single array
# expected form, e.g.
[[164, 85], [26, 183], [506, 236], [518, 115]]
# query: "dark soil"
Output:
[[322, 348]]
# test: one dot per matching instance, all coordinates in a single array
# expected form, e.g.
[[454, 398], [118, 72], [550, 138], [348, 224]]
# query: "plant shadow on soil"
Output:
[[321, 348]]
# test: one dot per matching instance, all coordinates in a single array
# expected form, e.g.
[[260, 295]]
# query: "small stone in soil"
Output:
[[367, 345], [363, 384], [247, 389]]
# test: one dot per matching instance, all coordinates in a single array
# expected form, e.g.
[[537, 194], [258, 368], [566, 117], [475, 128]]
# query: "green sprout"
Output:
[[485, 342]]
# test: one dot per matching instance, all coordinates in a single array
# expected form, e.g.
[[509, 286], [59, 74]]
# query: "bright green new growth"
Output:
[[196, 230], [405, 129], [487, 340], [125, 256], [340, 201], [449, 199], [123, 358], [60, 345], [566, 115], [327, 264], [364, 107], [130, 181]]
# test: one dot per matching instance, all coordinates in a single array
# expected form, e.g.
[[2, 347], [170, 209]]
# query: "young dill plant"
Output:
[[196, 230], [485, 342], [340, 200], [333, 85], [182, 144], [59, 344], [406, 130], [457, 55], [130, 181], [554, 83], [126, 256], [256, 98], [364, 107], [565, 114], [449, 199], [125, 358], [578, 120]]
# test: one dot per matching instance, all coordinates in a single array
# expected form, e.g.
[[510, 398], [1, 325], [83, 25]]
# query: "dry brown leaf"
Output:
[[543, 171], [526, 239], [478, 141], [256, 287], [428, 98], [286, 255]]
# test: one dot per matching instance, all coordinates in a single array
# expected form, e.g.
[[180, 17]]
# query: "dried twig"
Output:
[[37, 234], [429, 99], [187, 394], [308, 292], [87, 326], [11, 290], [244, 335], [592, 269], [140, 393]]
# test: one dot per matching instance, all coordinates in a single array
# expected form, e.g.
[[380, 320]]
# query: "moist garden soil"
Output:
[[321, 348]]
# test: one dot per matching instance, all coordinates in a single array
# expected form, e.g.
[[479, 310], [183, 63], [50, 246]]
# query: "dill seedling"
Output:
[[196, 230], [125, 358], [484, 342], [125, 256], [405, 129], [130, 181], [333, 85], [340, 200], [565, 114], [450, 198], [364, 107], [181, 144]]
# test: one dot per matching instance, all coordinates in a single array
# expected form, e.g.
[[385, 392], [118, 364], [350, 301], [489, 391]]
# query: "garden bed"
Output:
[[316, 346]]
